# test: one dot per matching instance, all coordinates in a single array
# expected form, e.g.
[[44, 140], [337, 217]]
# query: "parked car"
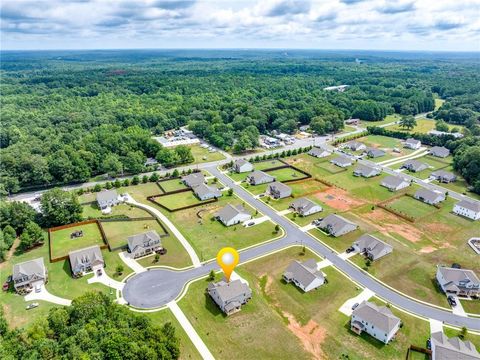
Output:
[[161, 251], [451, 300], [429, 344], [251, 223], [355, 306], [5, 286], [456, 266], [31, 306], [349, 250]]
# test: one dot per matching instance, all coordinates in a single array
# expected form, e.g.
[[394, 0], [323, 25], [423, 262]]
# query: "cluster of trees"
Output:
[[177, 156], [92, 328], [466, 161]]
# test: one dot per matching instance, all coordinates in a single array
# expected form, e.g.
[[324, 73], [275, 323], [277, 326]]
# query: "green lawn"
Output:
[[318, 168], [202, 155], [411, 207], [62, 244], [471, 306], [91, 210], [175, 201], [266, 164], [286, 174], [475, 339], [438, 103], [388, 119], [172, 185], [117, 232], [255, 189]]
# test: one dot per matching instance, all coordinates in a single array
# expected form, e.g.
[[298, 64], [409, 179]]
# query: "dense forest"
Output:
[[68, 116]]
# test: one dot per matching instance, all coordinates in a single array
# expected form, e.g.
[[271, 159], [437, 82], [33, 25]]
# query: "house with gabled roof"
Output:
[[206, 192], [372, 247], [355, 146], [319, 152], [342, 161], [366, 171], [29, 275], [86, 260], [412, 143], [258, 177], [377, 321], [431, 197], [278, 190], [193, 179], [107, 198], [231, 215], [414, 165], [443, 176], [375, 153], [444, 348], [439, 151], [395, 183], [144, 243], [468, 208], [242, 166], [304, 275], [460, 282], [229, 296], [305, 207], [336, 225]]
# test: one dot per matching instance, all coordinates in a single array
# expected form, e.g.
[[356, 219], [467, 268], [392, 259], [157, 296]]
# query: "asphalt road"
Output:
[[156, 287]]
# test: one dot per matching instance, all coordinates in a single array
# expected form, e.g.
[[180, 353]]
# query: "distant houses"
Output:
[[443, 176], [459, 282], [336, 225], [456, 135], [242, 166], [144, 244], [106, 199], [372, 247], [258, 177], [430, 197], [278, 190], [439, 151], [375, 153], [412, 144], [377, 321], [395, 183], [232, 215], [305, 207], [342, 161], [229, 296], [86, 260], [206, 192], [414, 165], [319, 152], [355, 146], [29, 275], [468, 208], [304, 275], [366, 171], [444, 348]]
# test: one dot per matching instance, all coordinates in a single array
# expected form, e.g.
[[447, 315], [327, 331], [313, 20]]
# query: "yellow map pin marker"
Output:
[[227, 258]]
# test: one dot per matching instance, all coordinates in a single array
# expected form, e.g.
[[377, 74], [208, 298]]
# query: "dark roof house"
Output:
[[439, 151], [341, 161], [395, 183], [206, 192], [375, 153], [193, 179], [278, 190], [144, 244], [336, 225], [229, 296], [231, 215], [372, 247], [305, 207], [366, 171], [29, 274], [414, 165], [258, 177], [107, 198], [443, 176], [430, 197], [304, 275], [458, 281], [85, 260]]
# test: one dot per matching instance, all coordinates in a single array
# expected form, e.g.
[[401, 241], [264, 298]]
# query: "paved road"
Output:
[[156, 288]]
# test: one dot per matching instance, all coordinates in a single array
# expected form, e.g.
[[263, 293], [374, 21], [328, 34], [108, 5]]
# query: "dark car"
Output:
[[349, 250], [451, 301], [429, 344], [355, 306], [456, 266]]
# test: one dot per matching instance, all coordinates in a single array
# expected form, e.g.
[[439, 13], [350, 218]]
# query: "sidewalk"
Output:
[[106, 280], [131, 263]]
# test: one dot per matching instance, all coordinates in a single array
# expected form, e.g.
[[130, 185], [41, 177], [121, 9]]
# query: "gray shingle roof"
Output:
[[335, 223], [414, 165], [241, 162], [373, 152], [453, 348], [442, 174], [203, 190], [194, 179], [455, 276], [342, 160], [428, 195], [257, 176], [107, 195], [29, 268], [91, 254], [439, 151], [304, 273], [373, 245], [144, 240], [229, 211], [280, 187], [392, 182], [365, 170], [379, 316], [355, 145], [469, 204], [413, 142], [317, 151], [228, 291], [303, 205]]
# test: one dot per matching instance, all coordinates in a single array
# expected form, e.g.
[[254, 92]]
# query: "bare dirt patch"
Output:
[[427, 249], [438, 227], [338, 199]]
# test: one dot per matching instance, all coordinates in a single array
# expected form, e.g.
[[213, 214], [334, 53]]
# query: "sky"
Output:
[[438, 25]]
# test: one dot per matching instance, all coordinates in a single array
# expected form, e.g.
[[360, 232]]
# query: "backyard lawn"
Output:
[[172, 185], [179, 200], [266, 164], [91, 210], [117, 232], [62, 244], [411, 207], [286, 174]]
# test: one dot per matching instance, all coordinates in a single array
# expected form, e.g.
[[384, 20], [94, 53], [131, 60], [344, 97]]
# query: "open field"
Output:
[[411, 207], [266, 164], [316, 167], [62, 244], [388, 119], [202, 155], [424, 126], [117, 232], [438, 103]]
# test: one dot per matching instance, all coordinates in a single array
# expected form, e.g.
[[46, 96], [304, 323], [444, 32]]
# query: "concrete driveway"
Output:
[[46, 296]]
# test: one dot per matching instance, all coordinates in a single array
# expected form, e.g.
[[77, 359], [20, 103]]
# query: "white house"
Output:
[[413, 144], [468, 208], [242, 166], [231, 215]]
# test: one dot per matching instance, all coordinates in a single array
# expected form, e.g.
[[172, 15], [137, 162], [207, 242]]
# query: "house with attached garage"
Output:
[[336, 225], [375, 153], [319, 152], [439, 151], [395, 183], [278, 190], [229, 296], [366, 171], [258, 177], [431, 197], [414, 166], [85, 260], [443, 176], [206, 192], [412, 144], [468, 208], [232, 215], [444, 348], [377, 321], [305, 207], [193, 179], [144, 244], [304, 275], [342, 161], [355, 146], [107, 199], [242, 166], [459, 282], [29, 275], [372, 247]]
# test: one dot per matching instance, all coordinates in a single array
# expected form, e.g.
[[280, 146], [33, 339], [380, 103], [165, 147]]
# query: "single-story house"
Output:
[[375, 153], [206, 192], [443, 176], [468, 208], [85, 260], [439, 151], [414, 165], [305, 207], [460, 282], [430, 197], [372, 247], [277, 190], [355, 146], [319, 152], [230, 215], [342, 161], [304, 275], [336, 225], [107, 198], [258, 177], [193, 179], [412, 144], [229, 296], [366, 171], [377, 321], [352, 122], [395, 183], [144, 244], [242, 165], [29, 275], [444, 348]]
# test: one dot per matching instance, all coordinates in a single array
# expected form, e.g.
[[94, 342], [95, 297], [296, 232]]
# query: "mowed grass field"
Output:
[[172, 185], [179, 200], [286, 174], [202, 155], [298, 325], [411, 207], [62, 244], [91, 210]]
